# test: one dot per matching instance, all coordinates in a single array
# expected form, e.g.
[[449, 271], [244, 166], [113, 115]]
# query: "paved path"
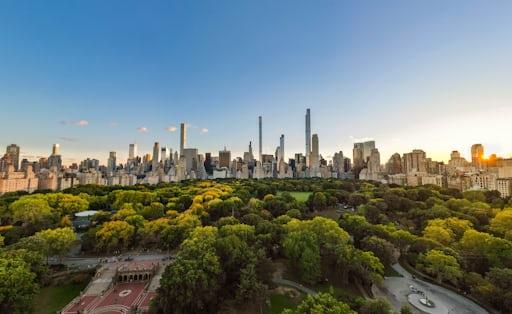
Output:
[[295, 285], [397, 291]]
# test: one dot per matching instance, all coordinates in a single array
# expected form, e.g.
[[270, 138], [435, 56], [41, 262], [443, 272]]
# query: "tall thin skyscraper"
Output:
[[281, 147], [261, 149], [316, 152], [13, 151], [183, 138], [308, 137], [156, 156]]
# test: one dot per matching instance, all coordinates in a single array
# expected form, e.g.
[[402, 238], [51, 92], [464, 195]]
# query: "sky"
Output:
[[95, 76]]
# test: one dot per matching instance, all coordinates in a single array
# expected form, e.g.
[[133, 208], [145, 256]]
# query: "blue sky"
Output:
[[94, 75]]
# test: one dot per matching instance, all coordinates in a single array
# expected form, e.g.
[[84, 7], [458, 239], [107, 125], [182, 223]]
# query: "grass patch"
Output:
[[53, 298], [280, 301], [299, 196]]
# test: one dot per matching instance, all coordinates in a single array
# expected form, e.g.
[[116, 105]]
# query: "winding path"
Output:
[[396, 290], [298, 286]]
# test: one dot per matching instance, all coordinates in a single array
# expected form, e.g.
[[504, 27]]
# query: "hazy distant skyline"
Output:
[[95, 76]]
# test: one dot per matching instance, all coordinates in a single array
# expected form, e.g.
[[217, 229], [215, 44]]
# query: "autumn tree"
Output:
[[114, 235]]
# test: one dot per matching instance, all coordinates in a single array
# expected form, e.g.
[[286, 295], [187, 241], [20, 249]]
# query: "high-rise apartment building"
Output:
[[132, 153], [224, 158], [55, 160], [357, 155], [374, 161], [183, 138], [315, 151], [394, 165], [13, 151], [55, 149], [260, 139], [416, 161], [477, 155], [155, 162], [111, 162], [308, 137], [281, 149]]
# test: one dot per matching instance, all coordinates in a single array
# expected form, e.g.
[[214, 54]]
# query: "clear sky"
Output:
[[95, 76]]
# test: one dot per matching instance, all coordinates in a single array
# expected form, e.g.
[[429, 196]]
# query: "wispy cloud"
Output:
[[114, 123], [142, 129], [68, 139], [204, 130], [171, 128], [76, 123]]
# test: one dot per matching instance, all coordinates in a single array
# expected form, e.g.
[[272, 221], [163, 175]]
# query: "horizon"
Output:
[[95, 77]]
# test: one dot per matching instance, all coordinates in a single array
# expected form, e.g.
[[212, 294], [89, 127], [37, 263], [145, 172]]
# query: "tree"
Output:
[[302, 249], [192, 282], [382, 248], [441, 266], [377, 306], [17, 286], [317, 201], [35, 213], [57, 241], [67, 203], [502, 222], [114, 235], [322, 303], [439, 234]]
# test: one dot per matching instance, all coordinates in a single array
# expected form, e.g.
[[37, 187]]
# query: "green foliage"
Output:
[[17, 286], [441, 266], [303, 251], [378, 306], [323, 303]]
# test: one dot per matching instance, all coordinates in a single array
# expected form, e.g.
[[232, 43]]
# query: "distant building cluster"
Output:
[[166, 165]]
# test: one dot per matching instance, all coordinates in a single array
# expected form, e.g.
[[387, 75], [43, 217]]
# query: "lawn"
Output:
[[299, 196], [53, 298], [284, 300]]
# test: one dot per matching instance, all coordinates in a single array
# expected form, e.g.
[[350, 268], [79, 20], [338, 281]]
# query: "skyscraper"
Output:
[[477, 154], [156, 156], [308, 137], [55, 161], [224, 158], [183, 138], [111, 162], [13, 151], [281, 148], [55, 149], [132, 153], [315, 153], [260, 136]]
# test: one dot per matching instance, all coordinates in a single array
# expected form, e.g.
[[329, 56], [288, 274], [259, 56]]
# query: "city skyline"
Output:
[[95, 79]]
